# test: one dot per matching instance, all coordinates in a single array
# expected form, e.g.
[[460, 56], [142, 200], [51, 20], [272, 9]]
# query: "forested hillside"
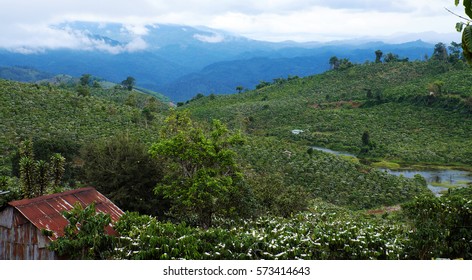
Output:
[[236, 177], [68, 119], [23, 74], [415, 112]]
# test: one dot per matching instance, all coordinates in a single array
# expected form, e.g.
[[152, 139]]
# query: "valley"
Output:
[[437, 179], [234, 176], [182, 61]]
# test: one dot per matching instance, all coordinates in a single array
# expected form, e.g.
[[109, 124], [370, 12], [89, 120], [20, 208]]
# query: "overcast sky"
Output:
[[27, 24]]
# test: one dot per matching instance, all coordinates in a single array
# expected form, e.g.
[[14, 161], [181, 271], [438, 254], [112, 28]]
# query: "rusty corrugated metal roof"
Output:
[[45, 212]]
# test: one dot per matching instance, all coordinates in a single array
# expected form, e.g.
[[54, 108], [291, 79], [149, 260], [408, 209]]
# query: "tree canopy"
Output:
[[129, 83], [202, 175], [121, 168]]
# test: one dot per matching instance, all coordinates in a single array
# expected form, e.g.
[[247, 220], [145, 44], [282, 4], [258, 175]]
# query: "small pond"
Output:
[[333, 152], [437, 179]]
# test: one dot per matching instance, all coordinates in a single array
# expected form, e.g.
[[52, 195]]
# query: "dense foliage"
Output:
[[326, 232], [37, 177], [213, 196], [84, 237], [9, 189], [392, 101], [202, 177], [284, 177], [22, 74], [121, 169], [60, 118], [441, 227]]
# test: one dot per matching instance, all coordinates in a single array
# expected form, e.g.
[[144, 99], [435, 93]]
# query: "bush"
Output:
[[441, 228], [121, 169], [326, 232], [84, 237]]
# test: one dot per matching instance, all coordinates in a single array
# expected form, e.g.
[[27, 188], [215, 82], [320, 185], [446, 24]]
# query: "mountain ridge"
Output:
[[182, 61]]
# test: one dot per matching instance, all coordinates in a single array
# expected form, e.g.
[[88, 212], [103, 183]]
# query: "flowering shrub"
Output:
[[325, 232]]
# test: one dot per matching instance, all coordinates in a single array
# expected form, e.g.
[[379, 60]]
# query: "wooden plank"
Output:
[[6, 218]]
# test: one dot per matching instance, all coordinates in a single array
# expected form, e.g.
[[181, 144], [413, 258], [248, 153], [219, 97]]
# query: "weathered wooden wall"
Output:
[[20, 239]]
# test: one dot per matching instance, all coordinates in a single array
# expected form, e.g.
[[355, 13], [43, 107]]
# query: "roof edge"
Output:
[[22, 202]]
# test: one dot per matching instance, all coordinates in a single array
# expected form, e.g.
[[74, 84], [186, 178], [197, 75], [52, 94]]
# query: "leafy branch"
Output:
[[466, 29]]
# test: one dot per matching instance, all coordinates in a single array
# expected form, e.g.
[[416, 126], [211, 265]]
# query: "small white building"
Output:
[[297, 131]]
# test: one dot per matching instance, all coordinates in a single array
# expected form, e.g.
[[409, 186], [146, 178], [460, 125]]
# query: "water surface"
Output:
[[435, 178]]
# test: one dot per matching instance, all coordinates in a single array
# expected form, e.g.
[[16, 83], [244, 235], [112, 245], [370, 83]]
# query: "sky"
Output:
[[28, 25]]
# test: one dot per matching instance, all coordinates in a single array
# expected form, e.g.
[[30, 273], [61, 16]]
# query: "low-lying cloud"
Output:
[[28, 26], [214, 38], [36, 39]]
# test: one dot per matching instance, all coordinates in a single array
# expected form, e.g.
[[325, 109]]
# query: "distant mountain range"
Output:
[[182, 61]]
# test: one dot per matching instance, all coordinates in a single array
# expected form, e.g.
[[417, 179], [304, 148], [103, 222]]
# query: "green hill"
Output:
[[299, 203], [271, 161], [415, 112], [49, 113], [23, 74]]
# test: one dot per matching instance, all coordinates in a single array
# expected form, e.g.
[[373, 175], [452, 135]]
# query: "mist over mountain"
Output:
[[182, 61]]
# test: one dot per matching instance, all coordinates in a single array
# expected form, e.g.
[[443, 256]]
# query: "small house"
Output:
[[21, 222], [297, 131]]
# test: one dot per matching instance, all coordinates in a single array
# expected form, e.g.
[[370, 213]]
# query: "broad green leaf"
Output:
[[457, 2], [459, 26], [467, 43], [467, 38], [468, 7]]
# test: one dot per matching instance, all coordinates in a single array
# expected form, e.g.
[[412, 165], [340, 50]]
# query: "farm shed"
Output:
[[21, 222]]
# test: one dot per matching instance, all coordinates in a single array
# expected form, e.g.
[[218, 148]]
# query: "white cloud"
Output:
[[26, 25], [28, 38], [214, 38], [137, 44], [136, 29], [321, 23], [34, 39]]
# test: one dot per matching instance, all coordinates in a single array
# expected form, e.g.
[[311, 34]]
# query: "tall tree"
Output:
[[378, 56], [27, 169], [440, 52], [455, 52], [365, 138], [334, 62], [367, 144], [42, 177], [85, 79], [202, 176], [391, 57], [27, 177], [129, 83], [121, 168], [57, 169], [36, 176]]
